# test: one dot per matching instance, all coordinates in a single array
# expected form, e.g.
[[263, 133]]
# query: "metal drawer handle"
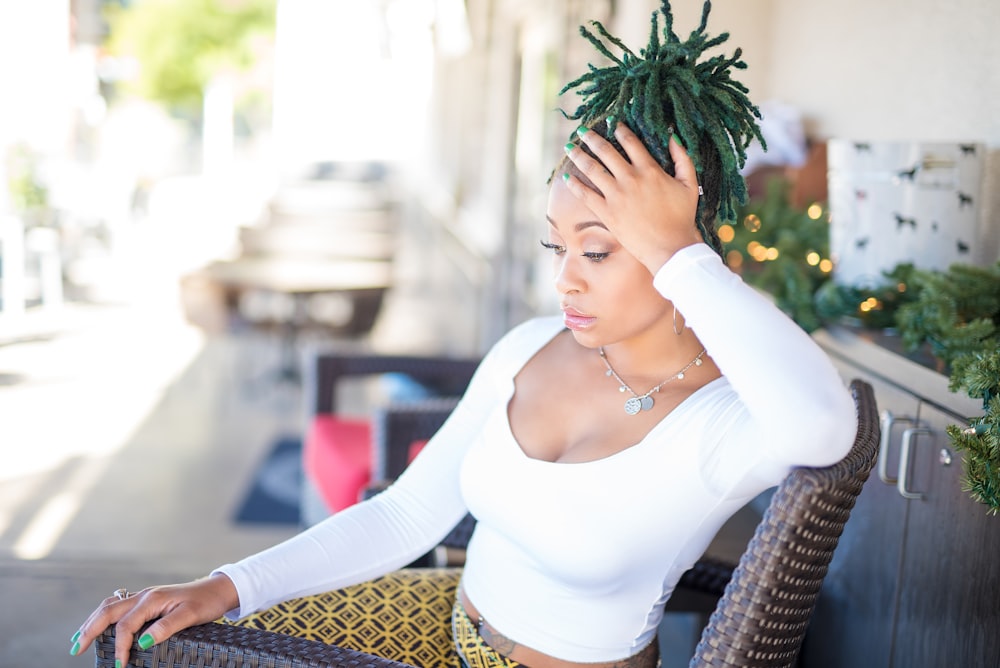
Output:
[[904, 462], [886, 422]]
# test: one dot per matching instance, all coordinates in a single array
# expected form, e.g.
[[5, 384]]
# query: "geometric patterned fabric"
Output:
[[475, 652], [404, 616]]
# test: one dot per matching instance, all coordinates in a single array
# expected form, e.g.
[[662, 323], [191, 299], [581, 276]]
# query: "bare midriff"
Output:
[[532, 658]]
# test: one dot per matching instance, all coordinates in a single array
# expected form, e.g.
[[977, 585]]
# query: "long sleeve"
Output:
[[797, 403], [378, 535]]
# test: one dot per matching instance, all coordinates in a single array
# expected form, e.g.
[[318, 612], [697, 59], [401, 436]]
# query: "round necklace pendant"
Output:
[[633, 406], [646, 403]]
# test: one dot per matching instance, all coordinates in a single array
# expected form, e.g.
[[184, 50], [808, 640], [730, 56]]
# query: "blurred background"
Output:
[[195, 194]]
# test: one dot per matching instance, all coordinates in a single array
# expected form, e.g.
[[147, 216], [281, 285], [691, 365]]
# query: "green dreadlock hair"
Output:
[[665, 91]]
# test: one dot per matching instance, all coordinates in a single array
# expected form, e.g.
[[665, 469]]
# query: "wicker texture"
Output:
[[220, 645], [761, 619]]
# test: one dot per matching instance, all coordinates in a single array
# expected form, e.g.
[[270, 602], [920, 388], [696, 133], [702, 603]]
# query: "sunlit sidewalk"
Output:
[[127, 437], [127, 442]]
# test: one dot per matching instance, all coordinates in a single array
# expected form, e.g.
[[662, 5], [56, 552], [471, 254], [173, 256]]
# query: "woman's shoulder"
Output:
[[521, 342]]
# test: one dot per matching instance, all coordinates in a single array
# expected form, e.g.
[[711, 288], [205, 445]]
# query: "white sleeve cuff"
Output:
[[675, 268]]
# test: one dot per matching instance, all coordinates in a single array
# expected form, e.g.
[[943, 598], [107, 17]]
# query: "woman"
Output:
[[602, 449]]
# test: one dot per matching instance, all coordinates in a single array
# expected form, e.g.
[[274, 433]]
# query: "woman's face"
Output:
[[605, 293]]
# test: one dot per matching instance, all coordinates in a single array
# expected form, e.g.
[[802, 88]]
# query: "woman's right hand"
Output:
[[174, 607], [650, 213]]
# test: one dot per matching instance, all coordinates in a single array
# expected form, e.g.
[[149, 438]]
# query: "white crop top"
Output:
[[576, 559]]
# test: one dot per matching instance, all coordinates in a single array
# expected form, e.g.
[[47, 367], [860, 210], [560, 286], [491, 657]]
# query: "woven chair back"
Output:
[[762, 617]]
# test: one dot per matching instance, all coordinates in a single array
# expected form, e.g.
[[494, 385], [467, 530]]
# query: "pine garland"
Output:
[[954, 311], [664, 91], [779, 248], [981, 440], [958, 313]]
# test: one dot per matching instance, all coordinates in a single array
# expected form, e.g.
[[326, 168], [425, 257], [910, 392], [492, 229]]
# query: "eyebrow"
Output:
[[581, 226]]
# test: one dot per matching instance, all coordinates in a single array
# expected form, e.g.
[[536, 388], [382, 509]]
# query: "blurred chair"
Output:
[[759, 620], [400, 429], [344, 455]]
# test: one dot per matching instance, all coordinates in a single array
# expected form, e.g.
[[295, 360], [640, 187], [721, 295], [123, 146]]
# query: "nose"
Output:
[[568, 275]]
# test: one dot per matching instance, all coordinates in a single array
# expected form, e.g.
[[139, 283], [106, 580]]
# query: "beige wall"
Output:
[[876, 70], [872, 69], [892, 69]]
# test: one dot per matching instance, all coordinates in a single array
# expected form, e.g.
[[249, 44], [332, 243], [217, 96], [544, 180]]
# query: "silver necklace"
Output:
[[644, 402]]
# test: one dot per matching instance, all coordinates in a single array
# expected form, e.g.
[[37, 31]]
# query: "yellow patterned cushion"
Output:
[[404, 616]]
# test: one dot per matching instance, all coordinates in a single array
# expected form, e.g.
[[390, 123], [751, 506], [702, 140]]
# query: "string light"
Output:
[[870, 304]]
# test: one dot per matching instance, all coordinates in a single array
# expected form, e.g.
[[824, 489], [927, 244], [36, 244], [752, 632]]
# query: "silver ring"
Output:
[[122, 593]]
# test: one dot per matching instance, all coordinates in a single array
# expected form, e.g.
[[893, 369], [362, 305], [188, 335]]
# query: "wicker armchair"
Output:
[[760, 619]]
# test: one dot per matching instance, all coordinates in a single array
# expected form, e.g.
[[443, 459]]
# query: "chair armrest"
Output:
[[448, 375], [216, 645]]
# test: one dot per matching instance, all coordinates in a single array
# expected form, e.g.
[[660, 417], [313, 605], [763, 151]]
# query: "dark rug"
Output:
[[273, 497]]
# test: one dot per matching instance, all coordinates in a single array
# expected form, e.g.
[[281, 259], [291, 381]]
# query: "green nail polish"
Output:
[[678, 140], [611, 120], [76, 636], [146, 641], [75, 649], [565, 177], [581, 131], [569, 147], [118, 663]]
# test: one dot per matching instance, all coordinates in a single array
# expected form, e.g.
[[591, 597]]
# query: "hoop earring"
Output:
[[683, 325]]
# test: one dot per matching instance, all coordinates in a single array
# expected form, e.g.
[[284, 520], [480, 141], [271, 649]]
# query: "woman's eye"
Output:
[[593, 256], [556, 248]]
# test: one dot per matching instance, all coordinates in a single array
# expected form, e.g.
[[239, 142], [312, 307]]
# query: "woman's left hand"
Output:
[[651, 213]]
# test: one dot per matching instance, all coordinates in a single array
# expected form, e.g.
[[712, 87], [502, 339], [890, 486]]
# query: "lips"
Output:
[[575, 320]]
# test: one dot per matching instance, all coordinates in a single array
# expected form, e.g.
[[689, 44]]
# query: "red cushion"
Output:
[[337, 458], [414, 450]]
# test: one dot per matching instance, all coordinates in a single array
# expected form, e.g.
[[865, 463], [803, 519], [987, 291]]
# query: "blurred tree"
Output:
[[781, 249], [181, 45]]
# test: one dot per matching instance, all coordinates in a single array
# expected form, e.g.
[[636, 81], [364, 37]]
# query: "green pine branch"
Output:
[[955, 313]]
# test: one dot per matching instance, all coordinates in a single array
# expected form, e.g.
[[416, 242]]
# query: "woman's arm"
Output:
[[797, 403], [794, 395], [382, 533], [359, 543]]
